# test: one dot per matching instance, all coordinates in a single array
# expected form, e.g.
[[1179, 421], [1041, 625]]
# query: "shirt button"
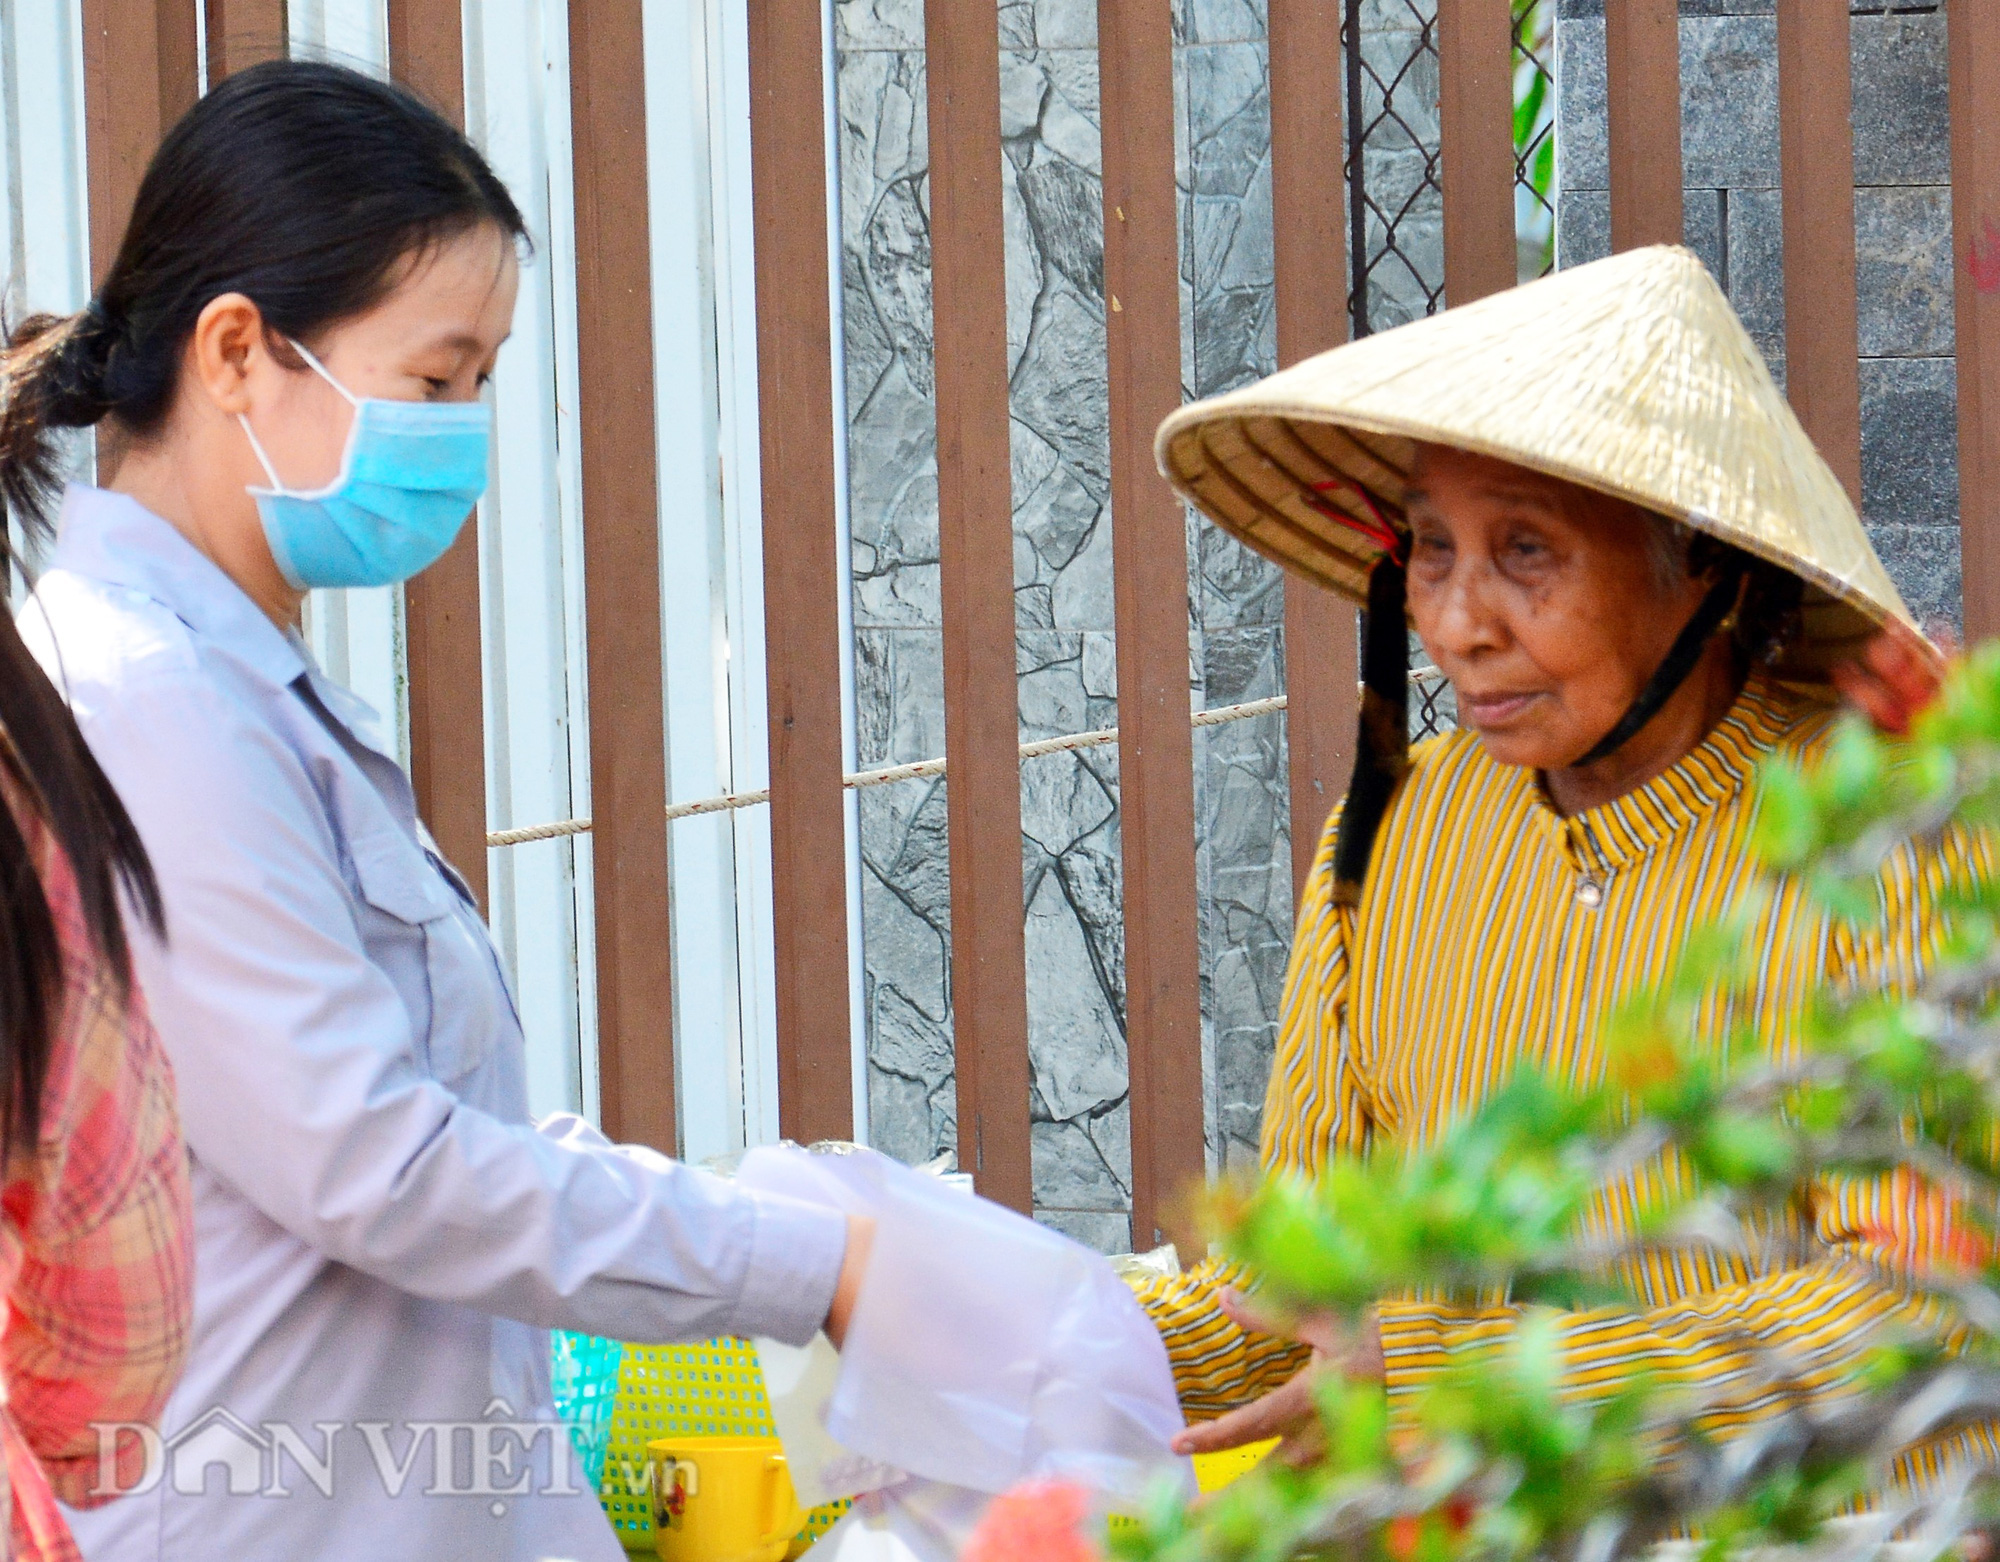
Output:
[[1590, 894]]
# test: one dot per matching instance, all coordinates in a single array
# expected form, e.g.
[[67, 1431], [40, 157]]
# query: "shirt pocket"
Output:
[[412, 934]]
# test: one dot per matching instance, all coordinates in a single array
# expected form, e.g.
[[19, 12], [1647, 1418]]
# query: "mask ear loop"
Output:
[[256, 445], [322, 371]]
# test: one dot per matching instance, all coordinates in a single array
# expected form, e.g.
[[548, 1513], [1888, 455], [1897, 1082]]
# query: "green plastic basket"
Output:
[[714, 1389]]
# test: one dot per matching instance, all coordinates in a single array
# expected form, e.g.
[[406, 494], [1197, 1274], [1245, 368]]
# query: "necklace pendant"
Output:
[[1590, 894]]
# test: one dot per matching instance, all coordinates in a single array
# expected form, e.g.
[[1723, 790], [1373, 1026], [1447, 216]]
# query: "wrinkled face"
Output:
[[1542, 602]]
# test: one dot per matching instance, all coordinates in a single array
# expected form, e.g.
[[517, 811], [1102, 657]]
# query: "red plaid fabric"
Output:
[[96, 1239]]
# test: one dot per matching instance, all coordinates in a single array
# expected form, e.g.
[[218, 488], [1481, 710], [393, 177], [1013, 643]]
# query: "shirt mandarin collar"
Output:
[[1621, 832], [112, 538]]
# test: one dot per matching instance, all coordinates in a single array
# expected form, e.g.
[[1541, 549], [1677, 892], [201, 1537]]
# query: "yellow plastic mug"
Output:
[[721, 1499]]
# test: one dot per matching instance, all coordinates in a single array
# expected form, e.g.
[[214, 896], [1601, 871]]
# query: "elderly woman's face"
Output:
[[1541, 602]]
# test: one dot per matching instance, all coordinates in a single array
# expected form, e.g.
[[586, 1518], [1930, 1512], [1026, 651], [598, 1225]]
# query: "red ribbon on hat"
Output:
[[1380, 531]]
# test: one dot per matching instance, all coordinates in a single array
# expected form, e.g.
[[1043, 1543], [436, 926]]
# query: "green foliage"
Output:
[[1496, 1459], [1534, 134]]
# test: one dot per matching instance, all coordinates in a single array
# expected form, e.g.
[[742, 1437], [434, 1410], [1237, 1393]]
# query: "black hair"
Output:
[[303, 186], [1768, 618]]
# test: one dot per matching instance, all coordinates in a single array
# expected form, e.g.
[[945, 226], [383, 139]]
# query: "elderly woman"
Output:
[[1614, 539]]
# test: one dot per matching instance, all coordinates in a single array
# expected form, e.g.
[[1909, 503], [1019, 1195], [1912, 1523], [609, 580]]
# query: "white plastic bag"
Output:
[[799, 1381], [916, 1521], [984, 1349]]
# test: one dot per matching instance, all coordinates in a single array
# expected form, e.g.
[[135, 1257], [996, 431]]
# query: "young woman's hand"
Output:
[[1290, 1411], [1894, 678], [853, 1267]]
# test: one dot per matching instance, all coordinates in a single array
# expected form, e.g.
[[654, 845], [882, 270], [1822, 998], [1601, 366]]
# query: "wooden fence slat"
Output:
[[1149, 562], [179, 33], [989, 967], [1975, 207], [1476, 146], [1310, 262], [139, 75], [441, 628], [427, 52], [441, 639], [621, 547], [1816, 156], [801, 569], [242, 32], [1643, 67]]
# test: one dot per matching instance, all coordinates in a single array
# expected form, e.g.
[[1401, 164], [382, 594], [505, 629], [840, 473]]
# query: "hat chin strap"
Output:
[[1681, 657]]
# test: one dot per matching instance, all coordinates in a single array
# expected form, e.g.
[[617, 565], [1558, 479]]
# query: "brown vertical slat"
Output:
[[139, 76], [1816, 156], [1476, 146], [1321, 663], [242, 32], [1149, 560], [801, 570], [989, 963], [427, 52], [441, 632], [180, 58], [1643, 60], [1975, 214], [621, 563], [441, 637]]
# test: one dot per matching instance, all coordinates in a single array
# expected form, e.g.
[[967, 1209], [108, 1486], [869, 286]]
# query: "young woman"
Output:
[[288, 353], [96, 1244]]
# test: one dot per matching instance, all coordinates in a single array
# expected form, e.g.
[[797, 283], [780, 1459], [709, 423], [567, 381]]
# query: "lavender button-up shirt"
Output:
[[382, 1235]]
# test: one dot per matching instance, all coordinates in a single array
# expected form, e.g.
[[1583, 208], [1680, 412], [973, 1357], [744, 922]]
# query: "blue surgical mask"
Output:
[[409, 477]]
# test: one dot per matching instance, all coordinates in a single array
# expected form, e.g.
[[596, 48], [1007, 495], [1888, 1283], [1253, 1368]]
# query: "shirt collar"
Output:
[[1622, 831], [112, 538]]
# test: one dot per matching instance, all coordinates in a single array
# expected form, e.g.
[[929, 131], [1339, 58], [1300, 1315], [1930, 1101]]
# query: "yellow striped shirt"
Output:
[[1494, 930]]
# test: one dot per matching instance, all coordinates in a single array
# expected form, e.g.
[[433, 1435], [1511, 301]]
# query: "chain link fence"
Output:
[[1535, 137], [1395, 197]]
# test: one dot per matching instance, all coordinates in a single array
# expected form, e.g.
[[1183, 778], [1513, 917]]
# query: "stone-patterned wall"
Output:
[[1063, 595], [1902, 210]]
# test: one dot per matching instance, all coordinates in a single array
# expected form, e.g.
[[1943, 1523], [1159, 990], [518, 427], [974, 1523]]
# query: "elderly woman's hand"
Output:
[[1291, 1411], [1893, 679]]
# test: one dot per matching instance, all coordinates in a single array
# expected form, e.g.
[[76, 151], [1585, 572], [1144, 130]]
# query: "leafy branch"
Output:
[[1500, 1456]]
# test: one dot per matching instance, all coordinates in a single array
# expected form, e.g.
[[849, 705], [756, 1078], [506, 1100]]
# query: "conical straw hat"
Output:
[[1631, 375]]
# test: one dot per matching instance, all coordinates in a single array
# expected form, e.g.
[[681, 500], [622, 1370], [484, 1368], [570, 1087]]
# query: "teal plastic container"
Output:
[[584, 1373]]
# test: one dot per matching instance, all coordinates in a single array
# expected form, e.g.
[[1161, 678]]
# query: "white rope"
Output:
[[916, 771]]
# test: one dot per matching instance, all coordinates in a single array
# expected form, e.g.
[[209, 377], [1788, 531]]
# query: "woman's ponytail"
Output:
[[54, 372]]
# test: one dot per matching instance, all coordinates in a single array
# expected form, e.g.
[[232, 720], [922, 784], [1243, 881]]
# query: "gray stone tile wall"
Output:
[[1066, 634], [1734, 220]]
